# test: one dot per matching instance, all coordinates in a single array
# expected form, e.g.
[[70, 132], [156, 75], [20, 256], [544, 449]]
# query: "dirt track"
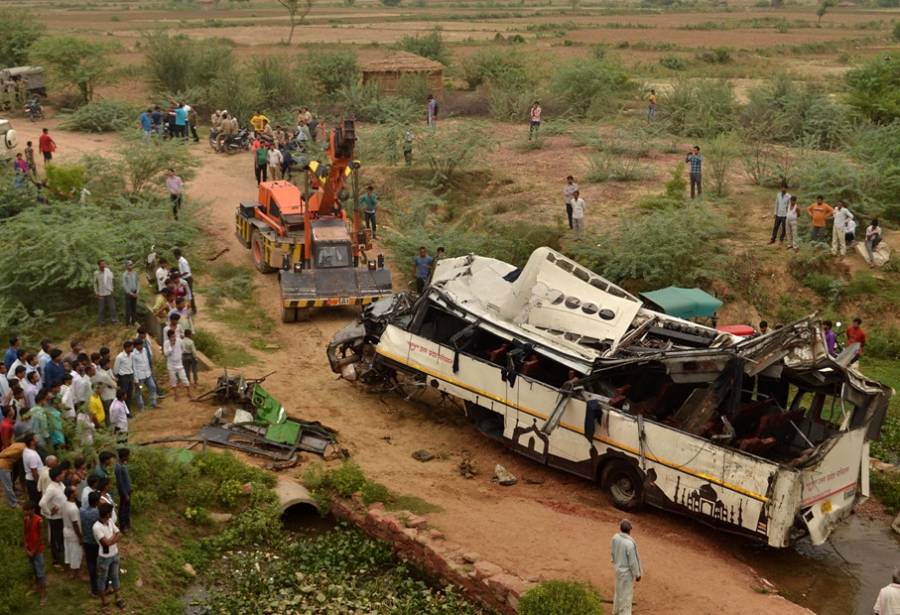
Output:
[[559, 528]]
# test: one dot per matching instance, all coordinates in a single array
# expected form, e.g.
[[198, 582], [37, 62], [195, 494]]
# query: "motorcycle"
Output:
[[232, 144], [34, 110]]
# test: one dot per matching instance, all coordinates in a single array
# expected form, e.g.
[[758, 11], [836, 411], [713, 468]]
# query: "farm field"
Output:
[[478, 182]]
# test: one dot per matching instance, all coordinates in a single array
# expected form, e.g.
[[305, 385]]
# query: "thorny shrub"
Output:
[[699, 107], [558, 597]]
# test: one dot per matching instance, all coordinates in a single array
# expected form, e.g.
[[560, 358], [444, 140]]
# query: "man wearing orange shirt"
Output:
[[819, 211]]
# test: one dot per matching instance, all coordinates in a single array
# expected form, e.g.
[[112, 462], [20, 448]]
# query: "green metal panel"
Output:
[[284, 433], [268, 408]]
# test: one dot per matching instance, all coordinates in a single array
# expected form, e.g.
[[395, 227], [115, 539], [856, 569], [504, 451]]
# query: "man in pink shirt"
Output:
[[176, 187]]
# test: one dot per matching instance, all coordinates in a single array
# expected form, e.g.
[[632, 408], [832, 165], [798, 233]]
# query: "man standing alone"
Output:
[[534, 120], [175, 187], [782, 201], [578, 208], [627, 566], [47, 146], [695, 159], [130, 286], [569, 191], [103, 289], [369, 201], [422, 269]]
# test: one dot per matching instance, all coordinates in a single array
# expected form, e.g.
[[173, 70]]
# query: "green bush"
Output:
[[720, 155], [18, 580], [494, 64], [665, 247], [75, 62], [835, 178], [887, 447], [102, 116], [178, 63], [561, 598], [229, 282], [874, 87], [34, 282], [590, 87], [824, 285], [700, 107], [19, 30], [277, 82], [329, 71], [430, 46], [604, 167], [877, 148], [786, 110], [673, 62], [883, 343], [449, 150], [720, 55], [414, 88], [886, 487]]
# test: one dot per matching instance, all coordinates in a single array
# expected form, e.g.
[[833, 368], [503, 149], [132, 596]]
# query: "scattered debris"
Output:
[[189, 570], [467, 467], [504, 476], [533, 481], [422, 455], [280, 466]]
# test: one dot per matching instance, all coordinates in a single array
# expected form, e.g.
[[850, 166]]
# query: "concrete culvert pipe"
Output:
[[294, 498]]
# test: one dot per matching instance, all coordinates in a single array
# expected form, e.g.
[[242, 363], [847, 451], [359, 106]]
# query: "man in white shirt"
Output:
[[107, 535], [888, 602], [52, 503], [627, 566], [123, 370], [173, 350], [782, 200], [104, 378], [143, 374], [184, 269], [103, 289], [162, 274], [568, 191], [31, 460], [274, 159], [841, 216], [118, 416], [578, 208], [81, 386]]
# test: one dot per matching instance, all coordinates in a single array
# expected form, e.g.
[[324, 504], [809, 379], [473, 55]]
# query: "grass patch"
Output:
[[348, 478], [605, 168], [229, 282], [221, 353]]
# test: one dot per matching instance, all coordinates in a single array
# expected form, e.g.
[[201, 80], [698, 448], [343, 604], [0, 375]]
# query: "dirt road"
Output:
[[558, 528]]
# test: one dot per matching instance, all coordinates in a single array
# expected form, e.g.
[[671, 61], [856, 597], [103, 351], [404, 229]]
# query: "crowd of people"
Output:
[[177, 121], [56, 407]]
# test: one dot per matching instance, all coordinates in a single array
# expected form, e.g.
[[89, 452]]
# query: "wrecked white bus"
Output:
[[767, 437]]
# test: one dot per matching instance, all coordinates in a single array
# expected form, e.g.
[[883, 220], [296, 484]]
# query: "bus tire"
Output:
[[288, 314], [622, 481]]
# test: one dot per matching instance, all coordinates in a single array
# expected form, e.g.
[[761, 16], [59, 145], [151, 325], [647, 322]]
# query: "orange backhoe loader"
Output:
[[304, 236]]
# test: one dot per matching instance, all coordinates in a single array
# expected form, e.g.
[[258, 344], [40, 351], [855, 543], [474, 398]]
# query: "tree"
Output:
[[823, 8], [18, 32], [297, 11], [75, 62], [875, 88]]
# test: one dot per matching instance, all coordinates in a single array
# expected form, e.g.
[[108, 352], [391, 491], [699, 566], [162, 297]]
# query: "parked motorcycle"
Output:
[[34, 110], [232, 144]]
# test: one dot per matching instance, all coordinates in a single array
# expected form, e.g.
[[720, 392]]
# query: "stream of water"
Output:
[[842, 577]]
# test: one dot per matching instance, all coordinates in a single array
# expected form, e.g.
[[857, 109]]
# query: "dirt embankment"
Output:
[[560, 527]]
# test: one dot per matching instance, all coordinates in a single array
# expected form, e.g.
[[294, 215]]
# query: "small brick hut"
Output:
[[387, 72]]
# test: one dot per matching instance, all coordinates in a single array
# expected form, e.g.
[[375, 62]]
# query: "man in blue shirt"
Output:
[[156, 119], [89, 515], [146, 120], [422, 269], [12, 353], [695, 159], [181, 120], [54, 370]]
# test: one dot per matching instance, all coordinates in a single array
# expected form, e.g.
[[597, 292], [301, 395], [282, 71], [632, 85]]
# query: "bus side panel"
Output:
[[831, 487]]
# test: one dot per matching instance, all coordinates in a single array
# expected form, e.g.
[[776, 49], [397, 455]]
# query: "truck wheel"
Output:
[[623, 484], [303, 314], [259, 259], [288, 314]]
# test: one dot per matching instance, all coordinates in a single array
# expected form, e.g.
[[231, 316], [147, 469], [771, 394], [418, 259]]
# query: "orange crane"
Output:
[[304, 235]]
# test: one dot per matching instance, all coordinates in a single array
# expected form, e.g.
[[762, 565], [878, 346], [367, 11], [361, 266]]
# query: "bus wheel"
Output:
[[303, 314], [623, 483]]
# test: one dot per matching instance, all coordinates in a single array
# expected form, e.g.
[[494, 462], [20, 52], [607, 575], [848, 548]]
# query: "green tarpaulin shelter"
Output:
[[683, 302]]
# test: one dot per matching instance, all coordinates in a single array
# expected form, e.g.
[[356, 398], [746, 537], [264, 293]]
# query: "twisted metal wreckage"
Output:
[[767, 436]]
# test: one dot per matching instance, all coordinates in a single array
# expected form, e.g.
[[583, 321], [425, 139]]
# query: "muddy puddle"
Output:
[[839, 578]]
